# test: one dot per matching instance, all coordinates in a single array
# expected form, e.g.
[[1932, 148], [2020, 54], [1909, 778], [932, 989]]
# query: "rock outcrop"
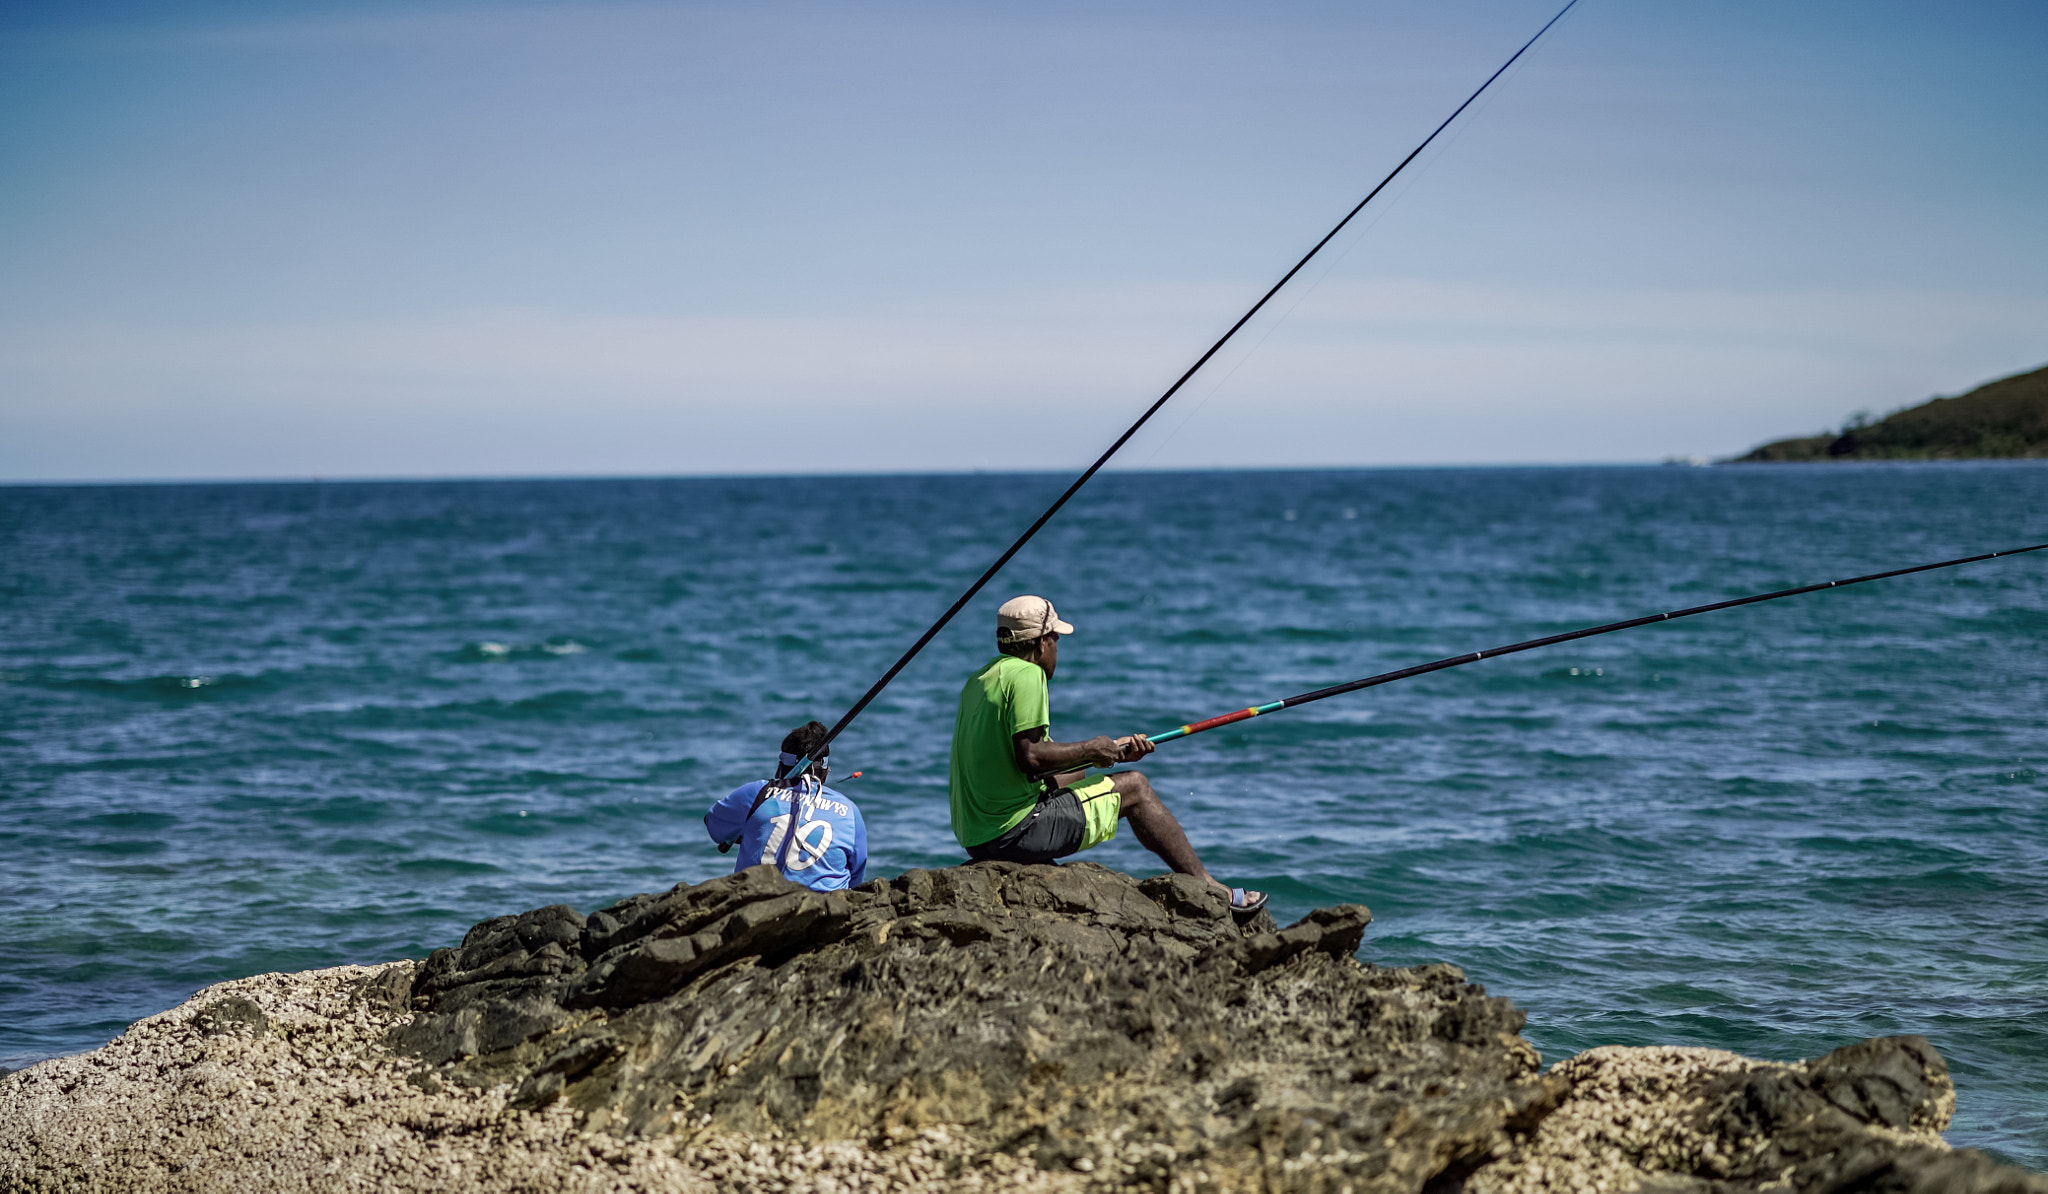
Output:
[[1867, 1117], [988, 1025], [1066, 1014]]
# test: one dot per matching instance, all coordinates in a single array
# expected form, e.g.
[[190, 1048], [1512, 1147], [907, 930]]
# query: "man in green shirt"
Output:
[[1000, 743]]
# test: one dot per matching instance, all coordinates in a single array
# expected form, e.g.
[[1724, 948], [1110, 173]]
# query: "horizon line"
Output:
[[853, 474]]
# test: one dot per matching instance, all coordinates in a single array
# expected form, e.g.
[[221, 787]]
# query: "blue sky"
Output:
[[280, 240]]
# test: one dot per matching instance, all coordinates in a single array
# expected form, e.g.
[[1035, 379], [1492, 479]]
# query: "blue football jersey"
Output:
[[831, 847]]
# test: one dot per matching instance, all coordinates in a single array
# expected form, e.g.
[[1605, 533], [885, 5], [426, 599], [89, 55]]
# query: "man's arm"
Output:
[[1037, 756], [727, 819]]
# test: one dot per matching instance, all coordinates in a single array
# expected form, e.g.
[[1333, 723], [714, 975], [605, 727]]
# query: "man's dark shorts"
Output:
[[1066, 822]]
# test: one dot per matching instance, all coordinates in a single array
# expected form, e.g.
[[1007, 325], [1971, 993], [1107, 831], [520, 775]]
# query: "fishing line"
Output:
[[1422, 669], [925, 638], [1273, 325], [1317, 277], [1330, 264]]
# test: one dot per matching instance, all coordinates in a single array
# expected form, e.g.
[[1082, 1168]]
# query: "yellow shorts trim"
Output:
[[1101, 805]]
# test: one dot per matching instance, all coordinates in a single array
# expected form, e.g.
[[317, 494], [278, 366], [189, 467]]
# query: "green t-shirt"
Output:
[[989, 792]]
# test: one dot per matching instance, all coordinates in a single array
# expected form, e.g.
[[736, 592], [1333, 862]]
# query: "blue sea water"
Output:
[[270, 727]]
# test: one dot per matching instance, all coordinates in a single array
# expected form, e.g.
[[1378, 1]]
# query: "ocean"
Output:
[[259, 727]]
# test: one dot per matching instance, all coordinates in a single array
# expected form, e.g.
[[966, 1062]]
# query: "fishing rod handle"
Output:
[[1211, 723]]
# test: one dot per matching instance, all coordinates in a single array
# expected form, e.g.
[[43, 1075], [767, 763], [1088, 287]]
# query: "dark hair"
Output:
[[1024, 646], [804, 739]]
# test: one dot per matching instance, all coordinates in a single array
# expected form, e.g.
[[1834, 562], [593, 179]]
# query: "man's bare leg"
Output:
[[1156, 827]]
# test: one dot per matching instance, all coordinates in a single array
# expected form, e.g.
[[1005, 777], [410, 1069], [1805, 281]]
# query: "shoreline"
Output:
[[507, 1064]]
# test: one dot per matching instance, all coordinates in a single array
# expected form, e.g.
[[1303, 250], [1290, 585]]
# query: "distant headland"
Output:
[[2004, 418]]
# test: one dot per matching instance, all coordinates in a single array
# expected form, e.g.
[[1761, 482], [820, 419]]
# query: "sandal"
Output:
[[1246, 903]]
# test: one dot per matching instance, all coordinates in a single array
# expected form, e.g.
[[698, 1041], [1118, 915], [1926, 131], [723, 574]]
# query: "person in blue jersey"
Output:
[[831, 847]]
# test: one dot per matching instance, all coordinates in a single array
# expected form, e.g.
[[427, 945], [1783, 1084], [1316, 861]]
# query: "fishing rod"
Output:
[[1422, 669], [876, 689]]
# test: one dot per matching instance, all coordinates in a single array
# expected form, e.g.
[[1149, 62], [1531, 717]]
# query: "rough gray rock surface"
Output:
[[1866, 1117], [1066, 1015], [988, 1025]]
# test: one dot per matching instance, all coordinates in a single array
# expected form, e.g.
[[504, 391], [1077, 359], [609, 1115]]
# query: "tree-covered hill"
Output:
[[2008, 417]]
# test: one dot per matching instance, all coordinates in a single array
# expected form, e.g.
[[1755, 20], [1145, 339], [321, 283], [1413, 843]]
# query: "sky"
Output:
[[298, 239]]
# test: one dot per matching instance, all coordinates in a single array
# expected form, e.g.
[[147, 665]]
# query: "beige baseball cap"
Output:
[[1022, 619]]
